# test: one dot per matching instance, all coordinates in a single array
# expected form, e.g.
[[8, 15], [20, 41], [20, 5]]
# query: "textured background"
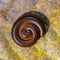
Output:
[[46, 48]]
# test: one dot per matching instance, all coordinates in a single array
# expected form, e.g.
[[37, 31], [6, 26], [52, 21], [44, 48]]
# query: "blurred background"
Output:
[[47, 47]]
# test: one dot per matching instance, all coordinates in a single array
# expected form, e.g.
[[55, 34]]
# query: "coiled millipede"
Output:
[[27, 30]]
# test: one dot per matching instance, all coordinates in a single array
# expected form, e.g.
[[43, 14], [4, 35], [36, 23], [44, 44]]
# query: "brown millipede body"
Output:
[[27, 30]]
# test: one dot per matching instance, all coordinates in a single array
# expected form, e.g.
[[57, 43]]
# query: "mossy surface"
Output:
[[46, 48]]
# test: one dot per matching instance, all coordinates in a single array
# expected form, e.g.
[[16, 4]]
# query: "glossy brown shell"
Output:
[[27, 31]]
